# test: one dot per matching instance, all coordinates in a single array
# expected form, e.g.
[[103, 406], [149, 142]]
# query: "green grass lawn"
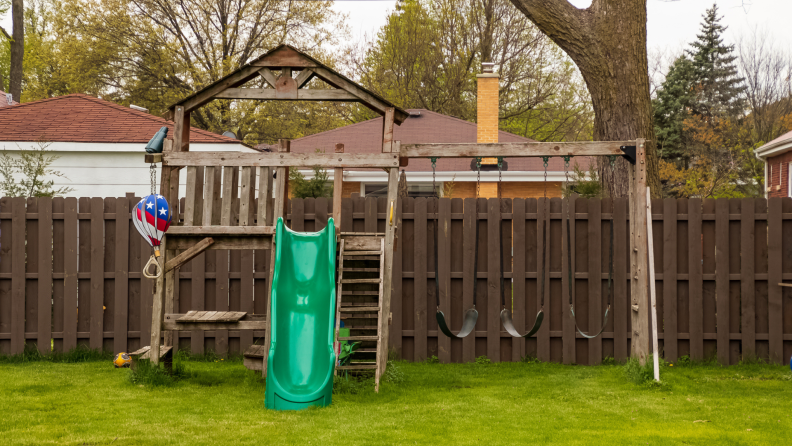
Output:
[[223, 403]]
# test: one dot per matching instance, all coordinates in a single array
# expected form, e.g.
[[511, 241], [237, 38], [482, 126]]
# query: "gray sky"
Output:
[[671, 24]]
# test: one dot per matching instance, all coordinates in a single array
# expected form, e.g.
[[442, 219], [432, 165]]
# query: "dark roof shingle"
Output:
[[83, 118]]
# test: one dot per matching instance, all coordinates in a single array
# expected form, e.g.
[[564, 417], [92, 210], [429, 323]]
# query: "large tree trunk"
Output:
[[607, 41], [17, 49]]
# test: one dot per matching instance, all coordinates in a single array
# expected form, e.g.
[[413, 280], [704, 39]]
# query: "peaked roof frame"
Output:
[[287, 87]]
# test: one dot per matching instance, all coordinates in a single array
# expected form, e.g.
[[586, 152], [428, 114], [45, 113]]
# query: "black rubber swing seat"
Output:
[[508, 324], [468, 324]]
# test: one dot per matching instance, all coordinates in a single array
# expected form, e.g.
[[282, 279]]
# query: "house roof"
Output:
[[775, 147], [422, 127], [4, 101], [83, 118]]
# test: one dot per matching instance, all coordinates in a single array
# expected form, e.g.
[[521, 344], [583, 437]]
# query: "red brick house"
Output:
[[777, 156], [522, 177]]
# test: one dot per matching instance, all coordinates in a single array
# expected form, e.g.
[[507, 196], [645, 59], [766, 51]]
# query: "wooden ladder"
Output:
[[361, 265]]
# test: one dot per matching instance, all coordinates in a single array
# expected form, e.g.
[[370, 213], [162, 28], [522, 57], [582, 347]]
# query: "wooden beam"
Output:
[[514, 150], [338, 189], [232, 242], [222, 230], [304, 77], [326, 160], [368, 99], [236, 79], [248, 322], [268, 76], [153, 158], [189, 254], [264, 197], [271, 94]]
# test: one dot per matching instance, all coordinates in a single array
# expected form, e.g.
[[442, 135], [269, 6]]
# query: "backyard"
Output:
[[221, 402]]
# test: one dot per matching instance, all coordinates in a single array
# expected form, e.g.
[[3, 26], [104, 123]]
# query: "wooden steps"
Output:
[[359, 299]]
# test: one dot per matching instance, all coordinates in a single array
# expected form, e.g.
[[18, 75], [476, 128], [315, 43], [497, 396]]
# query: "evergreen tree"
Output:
[[671, 106], [702, 84], [718, 87]]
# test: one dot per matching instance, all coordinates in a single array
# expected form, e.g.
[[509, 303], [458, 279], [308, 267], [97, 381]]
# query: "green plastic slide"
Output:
[[301, 356]]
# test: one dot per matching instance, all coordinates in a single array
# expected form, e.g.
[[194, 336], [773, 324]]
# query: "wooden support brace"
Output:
[[338, 189], [189, 254]]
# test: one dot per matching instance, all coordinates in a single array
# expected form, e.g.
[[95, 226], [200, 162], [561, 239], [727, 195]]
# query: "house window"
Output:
[[413, 190]]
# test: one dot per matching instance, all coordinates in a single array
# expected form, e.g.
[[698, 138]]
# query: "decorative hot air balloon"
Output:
[[152, 218]]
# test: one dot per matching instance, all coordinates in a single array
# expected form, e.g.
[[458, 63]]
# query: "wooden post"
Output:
[[387, 130], [157, 313], [338, 188], [639, 304], [279, 210], [390, 231]]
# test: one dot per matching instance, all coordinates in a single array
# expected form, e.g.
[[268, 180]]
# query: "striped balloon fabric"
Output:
[[152, 218]]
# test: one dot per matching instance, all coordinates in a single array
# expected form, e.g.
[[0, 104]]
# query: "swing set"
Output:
[[635, 154]]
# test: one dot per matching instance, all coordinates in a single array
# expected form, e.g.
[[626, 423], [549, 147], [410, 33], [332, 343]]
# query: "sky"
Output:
[[671, 24]]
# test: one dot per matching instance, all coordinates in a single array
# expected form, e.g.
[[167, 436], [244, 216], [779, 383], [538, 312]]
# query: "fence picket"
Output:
[[121, 282], [45, 234], [419, 280], [722, 278], [443, 273], [469, 275], [621, 311], [774, 277], [518, 277], [696, 308], [748, 312]]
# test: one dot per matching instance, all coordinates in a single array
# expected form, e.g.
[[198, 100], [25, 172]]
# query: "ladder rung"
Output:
[[358, 338], [366, 350], [360, 280], [359, 293], [381, 234], [357, 367], [357, 309], [362, 253], [361, 270]]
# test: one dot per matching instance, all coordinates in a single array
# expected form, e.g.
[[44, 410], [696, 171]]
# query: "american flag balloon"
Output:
[[152, 218]]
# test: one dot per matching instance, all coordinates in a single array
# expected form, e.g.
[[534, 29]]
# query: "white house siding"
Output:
[[108, 170]]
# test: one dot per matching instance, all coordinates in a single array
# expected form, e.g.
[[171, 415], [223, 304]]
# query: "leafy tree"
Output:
[[30, 174], [429, 52], [152, 53]]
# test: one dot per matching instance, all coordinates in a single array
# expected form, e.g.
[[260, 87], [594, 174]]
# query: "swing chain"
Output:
[[434, 186], [500, 174], [478, 177], [153, 174]]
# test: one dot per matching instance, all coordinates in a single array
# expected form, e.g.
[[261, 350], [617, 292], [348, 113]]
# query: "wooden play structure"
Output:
[[233, 200]]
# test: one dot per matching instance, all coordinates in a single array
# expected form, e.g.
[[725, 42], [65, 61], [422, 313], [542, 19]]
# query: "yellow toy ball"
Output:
[[122, 360]]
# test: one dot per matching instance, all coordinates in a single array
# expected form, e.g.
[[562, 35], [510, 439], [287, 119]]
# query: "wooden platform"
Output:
[[230, 320]]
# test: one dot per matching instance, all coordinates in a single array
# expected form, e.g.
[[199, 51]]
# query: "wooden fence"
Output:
[[70, 273]]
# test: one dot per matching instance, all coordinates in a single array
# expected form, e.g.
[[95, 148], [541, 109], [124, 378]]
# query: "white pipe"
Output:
[[652, 292]]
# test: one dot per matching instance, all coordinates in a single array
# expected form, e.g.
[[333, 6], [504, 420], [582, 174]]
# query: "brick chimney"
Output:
[[487, 104]]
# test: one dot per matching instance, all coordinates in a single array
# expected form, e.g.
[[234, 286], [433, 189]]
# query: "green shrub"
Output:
[[483, 360], [529, 359], [353, 385], [609, 361], [432, 360], [393, 373]]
